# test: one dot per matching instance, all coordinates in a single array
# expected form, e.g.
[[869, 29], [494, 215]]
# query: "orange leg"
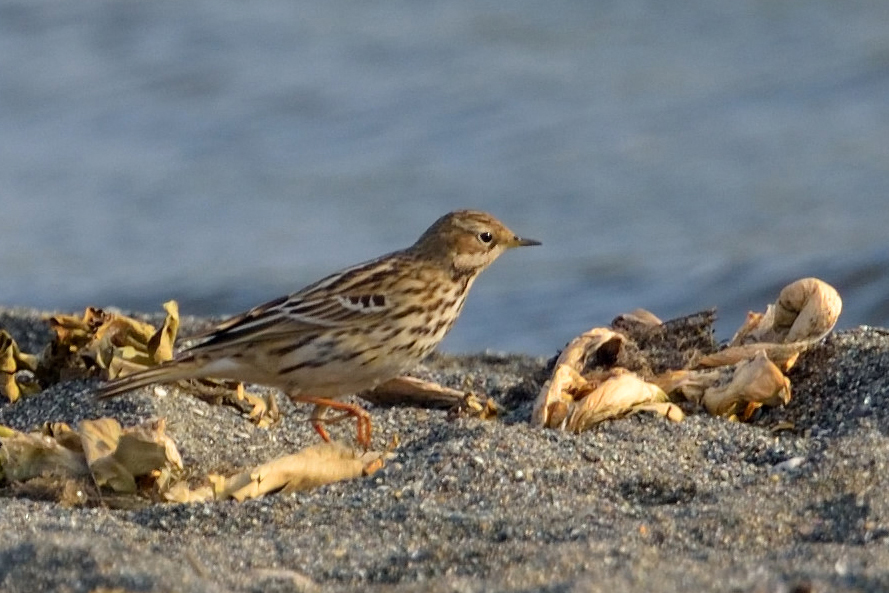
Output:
[[361, 416]]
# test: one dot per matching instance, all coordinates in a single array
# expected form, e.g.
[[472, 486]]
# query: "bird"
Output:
[[349, 331]]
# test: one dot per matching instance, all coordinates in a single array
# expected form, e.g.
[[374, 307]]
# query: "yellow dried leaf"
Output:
[[9, 388], [691, 384], [638, 318], [160, 345], [312, 467], [621, 394], [71, 331], [555, 399], [13, 360], [557, 396], [413, 391], [145, 449], [783, 355], [64, 435], [28, 455], [589, 344], [100, 439], [806, 311], [757, 381]]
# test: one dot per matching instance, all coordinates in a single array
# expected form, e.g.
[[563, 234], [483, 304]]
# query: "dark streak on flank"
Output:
[[285, 350], [319, 362]]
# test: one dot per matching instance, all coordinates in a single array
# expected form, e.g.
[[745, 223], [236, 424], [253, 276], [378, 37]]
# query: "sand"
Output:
[[639, 504]]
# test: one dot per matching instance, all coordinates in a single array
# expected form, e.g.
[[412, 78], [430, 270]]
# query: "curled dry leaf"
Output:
[[312, 467], [123, 345], [411, 391], [619, 394], [75, 332], [160, 344], [572, 401], [115, 344], [24, 456], [756, 382], [806, 311], [733, 391], [691, 385], [263, 411], [12, 361], [414, 392], [636, 320], [599, 342], [113, 456], [557, 395], [783, 355]]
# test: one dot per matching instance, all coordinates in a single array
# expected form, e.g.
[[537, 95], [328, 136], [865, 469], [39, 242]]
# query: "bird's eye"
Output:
[[485, 237]]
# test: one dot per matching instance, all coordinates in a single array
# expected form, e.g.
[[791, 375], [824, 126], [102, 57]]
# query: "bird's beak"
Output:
[[520, 242]]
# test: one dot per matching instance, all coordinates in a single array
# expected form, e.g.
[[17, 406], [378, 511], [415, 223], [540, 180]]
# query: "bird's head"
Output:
[[468, 240]]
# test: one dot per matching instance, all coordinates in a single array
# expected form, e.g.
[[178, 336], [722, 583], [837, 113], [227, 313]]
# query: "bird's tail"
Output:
[[168, 372]]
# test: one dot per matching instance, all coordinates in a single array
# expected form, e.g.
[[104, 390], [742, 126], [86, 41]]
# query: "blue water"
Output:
[[673, 156]]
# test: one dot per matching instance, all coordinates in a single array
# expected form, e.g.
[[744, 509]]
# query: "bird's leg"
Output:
[[322, 404]]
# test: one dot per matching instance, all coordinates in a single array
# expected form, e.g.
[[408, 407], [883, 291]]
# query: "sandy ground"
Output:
[[639, 504]]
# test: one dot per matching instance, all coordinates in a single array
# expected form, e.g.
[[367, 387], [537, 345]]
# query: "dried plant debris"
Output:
[[16, 369], [315, 466], [414, 392], [112, 344], [141, 458], [617, 393], [411, 391], [734, 391], [99, 343], [653, 348], [262, 410], [643, 364], [102, 457], [574, 401], [805, 312]]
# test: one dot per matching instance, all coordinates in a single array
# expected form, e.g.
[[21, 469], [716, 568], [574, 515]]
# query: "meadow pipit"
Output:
[[352, 330]]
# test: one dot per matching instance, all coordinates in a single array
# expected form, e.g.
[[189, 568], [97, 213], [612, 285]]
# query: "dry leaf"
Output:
[[116, 344], [557, 395], [783, 355], [756, 381], [100, 438], [636, 319], [806, 311], [620, 394], [690, 384], [114, 457], [13, 360], [262, 411], [414, 392], [556, 398], [312, 467], [160, 345], [28, 455]]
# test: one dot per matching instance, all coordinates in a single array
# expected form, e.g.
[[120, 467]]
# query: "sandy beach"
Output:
[[639, 504]]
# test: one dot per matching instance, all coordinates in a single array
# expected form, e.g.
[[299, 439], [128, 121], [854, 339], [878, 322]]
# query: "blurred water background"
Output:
[[670, 155]]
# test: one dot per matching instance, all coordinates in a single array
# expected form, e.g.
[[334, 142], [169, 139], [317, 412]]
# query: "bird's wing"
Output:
[[349, 298]]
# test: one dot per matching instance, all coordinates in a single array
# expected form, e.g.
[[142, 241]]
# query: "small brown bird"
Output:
[[352, 330]]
